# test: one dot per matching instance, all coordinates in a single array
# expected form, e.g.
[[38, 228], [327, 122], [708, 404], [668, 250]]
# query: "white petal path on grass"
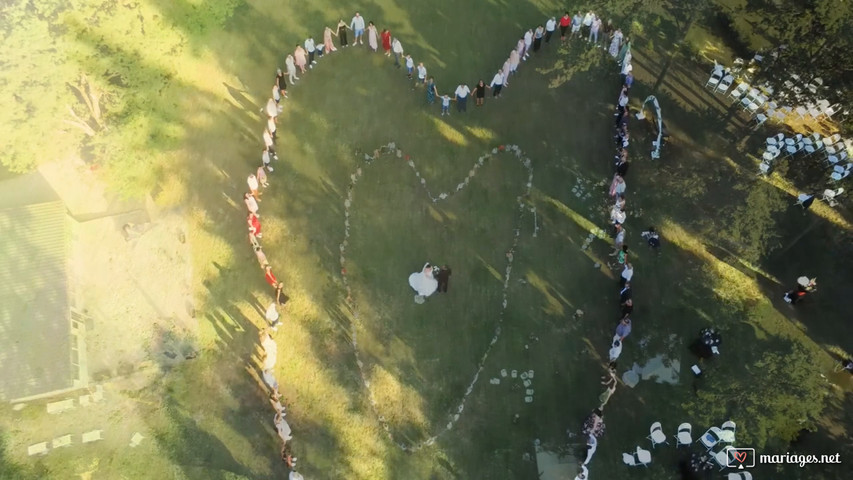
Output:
[[391, 150]]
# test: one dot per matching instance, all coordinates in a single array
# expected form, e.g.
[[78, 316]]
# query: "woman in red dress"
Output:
[[386, 41], [254, 224]]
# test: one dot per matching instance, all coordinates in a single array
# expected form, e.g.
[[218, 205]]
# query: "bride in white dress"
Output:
[[423, 282]]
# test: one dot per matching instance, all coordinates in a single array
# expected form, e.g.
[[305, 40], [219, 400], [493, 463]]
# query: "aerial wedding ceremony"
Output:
[[531, 240]]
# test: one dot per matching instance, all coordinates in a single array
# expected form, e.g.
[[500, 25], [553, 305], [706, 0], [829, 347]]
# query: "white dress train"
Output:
[[423, 281]]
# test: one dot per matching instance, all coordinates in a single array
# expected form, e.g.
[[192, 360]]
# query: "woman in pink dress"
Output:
[[329, 46], [300, 57], [372, 36]]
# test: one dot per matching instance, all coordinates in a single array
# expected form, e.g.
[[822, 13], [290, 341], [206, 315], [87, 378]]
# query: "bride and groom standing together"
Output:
[[428, 280]]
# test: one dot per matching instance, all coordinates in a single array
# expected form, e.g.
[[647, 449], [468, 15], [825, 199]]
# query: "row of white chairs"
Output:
[[752, 100]]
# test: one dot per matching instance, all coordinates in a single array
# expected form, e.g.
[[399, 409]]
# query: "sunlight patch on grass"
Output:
[[481, 133], [435, 214], [553, 305], [401, 404], [492, 270], [820, 209], [448, 132]]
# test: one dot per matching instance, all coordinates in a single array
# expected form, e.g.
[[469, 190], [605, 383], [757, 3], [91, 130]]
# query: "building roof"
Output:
[[35, 325]]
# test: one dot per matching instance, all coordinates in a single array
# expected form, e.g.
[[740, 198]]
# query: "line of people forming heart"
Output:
[[431, 279]]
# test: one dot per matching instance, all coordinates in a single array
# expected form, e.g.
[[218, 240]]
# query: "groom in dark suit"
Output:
[[443, 278]]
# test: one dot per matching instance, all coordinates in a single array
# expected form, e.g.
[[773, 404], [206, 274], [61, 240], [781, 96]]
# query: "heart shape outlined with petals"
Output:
[[391, 150]]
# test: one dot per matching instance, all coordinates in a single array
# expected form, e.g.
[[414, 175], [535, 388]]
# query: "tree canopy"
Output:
[[97, 78]]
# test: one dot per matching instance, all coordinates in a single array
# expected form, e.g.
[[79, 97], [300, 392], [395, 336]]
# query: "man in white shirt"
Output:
[[584, 473], [550, 27], [310, 48], [357, 26], [270, 348], [591, 445], [627, 273], [462, 92], [272, 316], [528, 41], [397, 48], [497, 84]]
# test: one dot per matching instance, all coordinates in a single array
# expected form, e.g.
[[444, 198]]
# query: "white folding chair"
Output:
[[801, 199], [763, 169], [640, 457], [793, 149], [829, 196], [832, 148], [832, 160], [837, 177], [656, 434], [710, 437], [748, 99], [739, 476], [760, 119], [682, 437], [770, 155], [725, 84], [833, 139], [739, 91], [714, 80], [801, 112], [775, 140], [721, 457]]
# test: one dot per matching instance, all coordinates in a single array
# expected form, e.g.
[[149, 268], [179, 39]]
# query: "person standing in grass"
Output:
[[615, 43], [251, 204], [410, 66], [606, 32], [268, 141], [528, 43], [300, 58], [565, 21], [254, 222], [357, 26], [262, 177], [577, 21], [618, 240], [537, 38], [514, 59], [550, 27], [272, 316], [506, 68], [627, 274], [311, 48], [445, 105], [270, 277], [397, 48], [265, 160], [624, 328], [386, 41], [497, 84], [462, 92], [342, 33], [280, 83], [627, 307], [276, 94], [422, 74], [372, 36], [327, 40], [519, 47], [431, 91], [260, 255], [252, 181], [593, 31], [290, 64], [271, 126], [480, 92], [272, 109]]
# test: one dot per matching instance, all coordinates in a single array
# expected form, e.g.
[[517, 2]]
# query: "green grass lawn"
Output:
[[731, 248]]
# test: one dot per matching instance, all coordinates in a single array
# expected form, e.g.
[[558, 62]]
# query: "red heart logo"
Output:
[[740, 456]]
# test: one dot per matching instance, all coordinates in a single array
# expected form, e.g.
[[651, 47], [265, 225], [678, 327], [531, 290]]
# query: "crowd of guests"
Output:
[[588, 27]]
